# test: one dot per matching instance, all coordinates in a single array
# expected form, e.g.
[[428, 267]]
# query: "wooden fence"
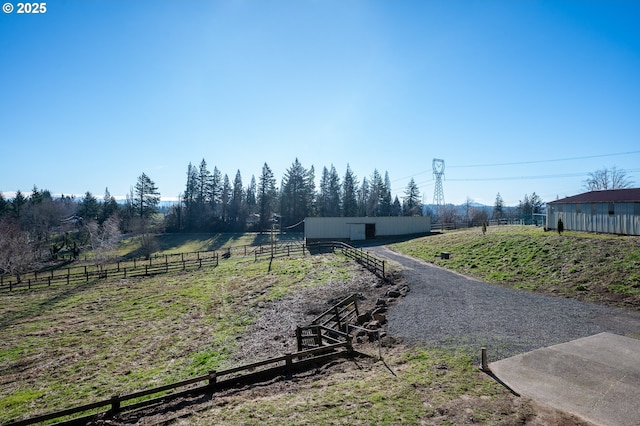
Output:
[[325, 338], [279, 250], [122, 269], [450, 226], [285, 364], [329, 327]]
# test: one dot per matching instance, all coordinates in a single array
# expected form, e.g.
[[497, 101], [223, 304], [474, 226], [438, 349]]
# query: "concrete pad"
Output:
[[596, 378]]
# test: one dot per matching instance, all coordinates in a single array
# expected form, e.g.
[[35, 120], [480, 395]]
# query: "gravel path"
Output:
[[445, 308]]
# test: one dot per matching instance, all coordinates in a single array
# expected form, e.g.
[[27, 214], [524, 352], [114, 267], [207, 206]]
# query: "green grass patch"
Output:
[[413, 387], [64, 346]]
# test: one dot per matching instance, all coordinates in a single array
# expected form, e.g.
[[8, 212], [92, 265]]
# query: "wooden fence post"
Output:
[[288, 361], [299, 338], [115, 403], [213, 378], [354, 298], [337, 314]]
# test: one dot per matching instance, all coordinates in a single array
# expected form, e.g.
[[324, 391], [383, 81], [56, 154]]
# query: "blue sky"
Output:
[[516, 96]]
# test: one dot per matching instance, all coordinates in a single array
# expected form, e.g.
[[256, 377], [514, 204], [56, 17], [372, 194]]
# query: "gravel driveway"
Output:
[[445, 308]]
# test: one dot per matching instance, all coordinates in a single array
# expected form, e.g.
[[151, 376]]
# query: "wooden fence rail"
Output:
[[280, 250], [372, 263], [85, 273], [156, 264], [292, 361]]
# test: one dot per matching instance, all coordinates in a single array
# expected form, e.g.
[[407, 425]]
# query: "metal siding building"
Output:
[[615, 211], [363, 228]]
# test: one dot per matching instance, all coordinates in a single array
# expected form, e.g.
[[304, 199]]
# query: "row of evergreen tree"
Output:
[[212, 202]]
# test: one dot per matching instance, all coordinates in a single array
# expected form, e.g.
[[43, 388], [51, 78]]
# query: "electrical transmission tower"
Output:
[[438, 174]]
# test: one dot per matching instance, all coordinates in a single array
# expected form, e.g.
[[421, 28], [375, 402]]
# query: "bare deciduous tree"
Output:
[[17, 255], [104, 238], [612, 178]]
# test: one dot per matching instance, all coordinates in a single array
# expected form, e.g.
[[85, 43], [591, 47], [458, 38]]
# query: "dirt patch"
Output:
[[274, 331]]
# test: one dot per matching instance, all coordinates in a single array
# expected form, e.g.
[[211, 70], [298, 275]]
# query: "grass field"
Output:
[[593, 267], [65, 346], [180, 242]]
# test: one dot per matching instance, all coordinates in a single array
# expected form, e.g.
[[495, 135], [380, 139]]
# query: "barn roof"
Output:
[[607, 196]]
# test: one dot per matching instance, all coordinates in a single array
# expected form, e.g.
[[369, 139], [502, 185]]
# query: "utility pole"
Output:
[[438, 192]]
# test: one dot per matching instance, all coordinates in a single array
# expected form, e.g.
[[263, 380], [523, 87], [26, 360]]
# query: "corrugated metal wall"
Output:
[[340, 227], [606, 218]]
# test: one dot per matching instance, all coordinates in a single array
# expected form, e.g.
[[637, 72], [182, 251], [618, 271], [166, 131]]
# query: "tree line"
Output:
[[37, 228], [212, 202]]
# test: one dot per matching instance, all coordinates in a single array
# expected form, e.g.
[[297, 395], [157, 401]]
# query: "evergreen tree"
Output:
[[109, 206], [36, 196], [89, 209], [236, 212], [18, 204], [297, 194], [412, 205], [376, 191], [215, 198], [385, 199], [225, 198], [251, 196], [335, 201], [349, 194], [525, 209], [498, 208], [329, 195], [189, 197], [146, 197], [396, 207], [363, 197], [5, 206], [323, 195], [203, 185], [266, 196]]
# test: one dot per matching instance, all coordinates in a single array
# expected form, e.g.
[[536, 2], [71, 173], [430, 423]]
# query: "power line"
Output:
[[553, 176], [517, 163]]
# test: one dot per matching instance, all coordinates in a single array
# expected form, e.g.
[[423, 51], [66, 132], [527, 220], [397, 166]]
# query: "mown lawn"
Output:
[[600, 268]]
